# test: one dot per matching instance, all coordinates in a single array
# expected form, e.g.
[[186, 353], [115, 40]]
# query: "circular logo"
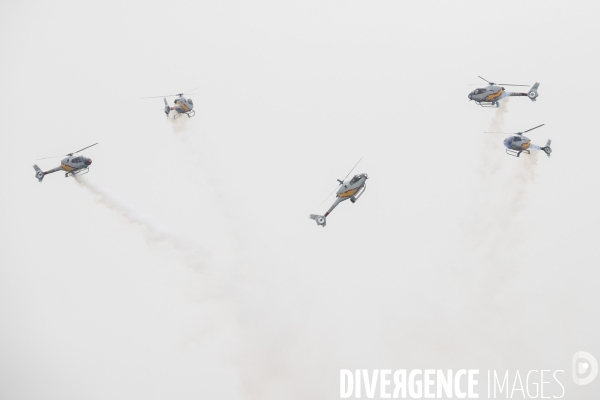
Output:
[[585, 368]]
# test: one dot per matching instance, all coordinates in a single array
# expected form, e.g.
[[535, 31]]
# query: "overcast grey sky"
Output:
[[183, 266]]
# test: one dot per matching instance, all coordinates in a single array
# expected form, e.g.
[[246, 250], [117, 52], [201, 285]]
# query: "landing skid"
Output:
[[354, 198], [489, 105], [516, 153], [82, 171], [190, 114]]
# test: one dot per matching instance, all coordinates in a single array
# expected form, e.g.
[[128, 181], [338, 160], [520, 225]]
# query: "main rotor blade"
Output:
[[343, 180], [336, 188], [45, 158], [533, 128], [169, 95], [505, 84], [66, 155], [156, 97], [187, 91], [84, 148], [329, 195], [503, 133]]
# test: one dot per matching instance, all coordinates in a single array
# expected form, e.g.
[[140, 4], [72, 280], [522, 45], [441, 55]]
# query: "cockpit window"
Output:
[[517, 139], [190, 101], [355, 179]]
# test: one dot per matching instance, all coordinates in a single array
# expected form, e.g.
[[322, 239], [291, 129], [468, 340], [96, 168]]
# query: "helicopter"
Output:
[[182, 105], [347, 189], [72, 165], [517, 143], [492, 94]]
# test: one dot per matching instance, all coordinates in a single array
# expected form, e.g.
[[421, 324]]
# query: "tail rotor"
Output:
[[533, 94], [547, 149], [167, 108], [39, 174], [320, 220]]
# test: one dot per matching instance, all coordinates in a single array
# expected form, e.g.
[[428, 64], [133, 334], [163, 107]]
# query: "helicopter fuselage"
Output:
[[351, 187], [488, 94], [182, 106], [72, 164], [517, 143]]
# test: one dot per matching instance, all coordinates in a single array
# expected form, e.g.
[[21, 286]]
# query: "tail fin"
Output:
[[39, 173], [167, 108], [547, 149], [533, 94], [321, 220]]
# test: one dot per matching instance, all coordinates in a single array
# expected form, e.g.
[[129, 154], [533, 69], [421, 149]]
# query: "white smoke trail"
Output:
[[501, 192], [497, 230], [239, 307], [199, 145], [179, 125], [492, 162], [191, 254]]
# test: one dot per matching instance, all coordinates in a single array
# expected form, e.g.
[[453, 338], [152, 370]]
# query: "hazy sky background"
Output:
[[184, 265]]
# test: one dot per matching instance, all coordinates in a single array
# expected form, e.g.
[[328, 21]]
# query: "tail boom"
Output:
[[532, 94], [546, 149], [39, 174]]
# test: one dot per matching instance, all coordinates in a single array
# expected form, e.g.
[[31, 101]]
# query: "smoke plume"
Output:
[[179, 124], [497, 231], [191, 254]]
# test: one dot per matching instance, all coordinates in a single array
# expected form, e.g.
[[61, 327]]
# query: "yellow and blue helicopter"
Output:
[[182, 105], [517, 143], [492, 94], [347, 189], [71, 165]]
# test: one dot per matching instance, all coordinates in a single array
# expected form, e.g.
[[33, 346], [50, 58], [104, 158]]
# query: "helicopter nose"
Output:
[[470, 96], [89, 161]]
